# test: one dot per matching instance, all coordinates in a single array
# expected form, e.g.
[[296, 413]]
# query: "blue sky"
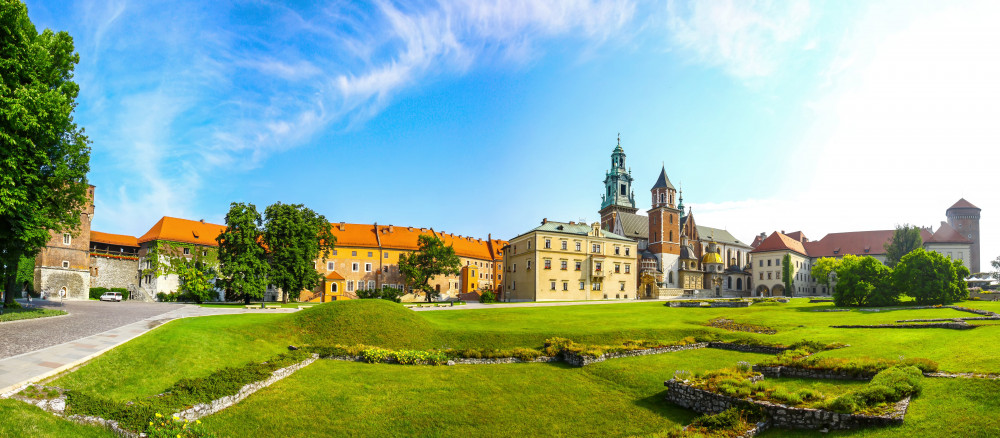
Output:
[[477, 117]]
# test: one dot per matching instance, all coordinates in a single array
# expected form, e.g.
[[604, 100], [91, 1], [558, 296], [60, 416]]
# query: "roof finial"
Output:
[[619, 138]]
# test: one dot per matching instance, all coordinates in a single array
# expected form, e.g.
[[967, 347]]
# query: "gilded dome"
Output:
[[711, 257]]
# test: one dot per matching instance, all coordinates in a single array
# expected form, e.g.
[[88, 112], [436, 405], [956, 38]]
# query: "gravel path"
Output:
[[85, 318]]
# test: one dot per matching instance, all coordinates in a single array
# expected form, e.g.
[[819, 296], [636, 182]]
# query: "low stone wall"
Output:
[[970, 310], [203, 409], [781, 416], [820, 300], [686, 304], [501, 360], [831, 310], [809, 373], [985, 297], [729, 304], [944, 325], [747, 348], [580, 361]]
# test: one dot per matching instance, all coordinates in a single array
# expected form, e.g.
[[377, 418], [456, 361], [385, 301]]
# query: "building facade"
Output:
[[559, 261], [171, 241], [114, 260], [62, 266]]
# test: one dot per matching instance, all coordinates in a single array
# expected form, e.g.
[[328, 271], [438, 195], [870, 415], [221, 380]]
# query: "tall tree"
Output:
[[906, 238], [295, 237], [242, 258], [196, 279], [431, 259], [787, 274], [44, 156], [931, 278]]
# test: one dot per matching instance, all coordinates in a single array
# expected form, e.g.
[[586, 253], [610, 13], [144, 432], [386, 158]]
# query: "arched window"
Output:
[[670, 277], [729, 284], [333, 288], [671, 236], [739, 284]]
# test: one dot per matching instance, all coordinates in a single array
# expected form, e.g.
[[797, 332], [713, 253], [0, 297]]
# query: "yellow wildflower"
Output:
[[150, 423], [176, 417], [198, 421], [158, 415]]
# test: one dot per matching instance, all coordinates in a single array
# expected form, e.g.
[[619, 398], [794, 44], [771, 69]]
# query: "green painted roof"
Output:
[[720, 236]]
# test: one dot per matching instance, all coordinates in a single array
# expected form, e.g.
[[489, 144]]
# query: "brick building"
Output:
[[62, 267]]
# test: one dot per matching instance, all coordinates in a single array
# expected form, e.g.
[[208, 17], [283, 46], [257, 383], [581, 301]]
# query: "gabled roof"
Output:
[[407, 239], [663, 181], [184, 231], [634, 226], [720, 236], [947, 234], [798, 235], [757, 240], [780, 242], [962, 203], [333, 275], [860, 243], [113, 239]]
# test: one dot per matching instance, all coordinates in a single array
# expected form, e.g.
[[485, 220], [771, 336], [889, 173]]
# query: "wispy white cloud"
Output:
[[748, 39]]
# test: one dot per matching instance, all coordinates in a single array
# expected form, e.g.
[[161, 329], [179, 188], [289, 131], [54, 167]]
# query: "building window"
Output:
[[671, 237], [529, 265], [331, 266], [961, 255], [333, 252], [618, 250], [596, 248], [368, 267], [597, 266], [333, 288], [769, 262], [371, 284], [596, 286], [67, 239], [621, 285], [548, 244], [777, 262], [187, 251], [385, 255], [628, 268], [565, 285], [618, 268], [761, 263], [627, 250], [548, 264], [577, 246], [552, 285], [65, 264], [354, 253], [577, 265], [582, 285], [562, 265], [515, 267], [671, 218], [563, 245], [370, 254], [513, 285], [768, 275], [354, 267], [529, 244], [350, 285], [385, 269]]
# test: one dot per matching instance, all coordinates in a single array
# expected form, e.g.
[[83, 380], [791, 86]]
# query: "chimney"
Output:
[[545, 221], [390, 228], [572, 223], [782, 231], [201, 220], [341, 227]]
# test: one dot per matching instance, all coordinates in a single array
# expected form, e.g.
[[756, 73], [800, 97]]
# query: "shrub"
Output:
[[864, 281], [385, 293], [931, 278], [888, 386], [487, 297]]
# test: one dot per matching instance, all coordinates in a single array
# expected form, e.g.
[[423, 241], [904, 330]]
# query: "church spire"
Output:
[[680, 203]]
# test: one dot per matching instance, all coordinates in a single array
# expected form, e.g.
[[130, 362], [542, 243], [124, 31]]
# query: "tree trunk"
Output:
[[10, 272]]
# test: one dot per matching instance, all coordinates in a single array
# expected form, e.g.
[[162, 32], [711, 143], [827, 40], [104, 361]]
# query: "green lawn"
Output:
[[24, 420], [256, 303], [28, 313], [617, 397]]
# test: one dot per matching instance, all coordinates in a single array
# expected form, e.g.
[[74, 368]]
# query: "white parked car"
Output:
[[111, 296]]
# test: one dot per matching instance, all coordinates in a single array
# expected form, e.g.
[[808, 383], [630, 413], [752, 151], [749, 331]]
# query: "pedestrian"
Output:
[[26, 293]]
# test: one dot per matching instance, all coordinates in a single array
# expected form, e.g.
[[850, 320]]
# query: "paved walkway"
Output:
[[32, 366], [474, 306]]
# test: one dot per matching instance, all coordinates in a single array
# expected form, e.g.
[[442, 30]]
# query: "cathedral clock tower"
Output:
[[618, 195], [664, 228]]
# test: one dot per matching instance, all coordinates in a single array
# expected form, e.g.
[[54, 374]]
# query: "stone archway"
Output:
[[762, 291], [648, 286], [778, 290]]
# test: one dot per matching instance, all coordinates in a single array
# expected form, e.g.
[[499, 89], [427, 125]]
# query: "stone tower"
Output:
[[964, 217], [664, 228], [618, 195], [64, 263]]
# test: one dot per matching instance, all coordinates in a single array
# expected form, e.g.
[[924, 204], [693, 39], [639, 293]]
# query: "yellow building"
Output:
[[569, 261], [366, 256]]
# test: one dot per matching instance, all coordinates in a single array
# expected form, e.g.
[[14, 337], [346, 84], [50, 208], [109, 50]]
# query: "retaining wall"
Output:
[[579, 361], [809, 373], [944, 325], [781, 416], [747, 348]]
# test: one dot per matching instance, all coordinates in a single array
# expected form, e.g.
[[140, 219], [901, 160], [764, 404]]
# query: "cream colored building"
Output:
[[767, 261], [561, 261]]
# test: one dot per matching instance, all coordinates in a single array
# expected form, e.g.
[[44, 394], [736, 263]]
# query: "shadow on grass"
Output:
[[658, 403]]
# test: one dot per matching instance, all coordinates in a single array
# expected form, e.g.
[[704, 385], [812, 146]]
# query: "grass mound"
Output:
[[368, 322]]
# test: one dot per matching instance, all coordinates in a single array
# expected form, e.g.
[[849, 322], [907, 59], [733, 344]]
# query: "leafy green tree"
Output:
[[432, 258], [905, 239], [996, 267], [385, 293], [295, 236], [196, 280], [931, 278], [864, 281], [822, 269], [44, 156], [242, 257], [488, 297], [26, 273], [787, 274]]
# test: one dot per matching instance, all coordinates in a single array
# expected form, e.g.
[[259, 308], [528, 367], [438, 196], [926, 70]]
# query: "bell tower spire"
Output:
[[618, 195]]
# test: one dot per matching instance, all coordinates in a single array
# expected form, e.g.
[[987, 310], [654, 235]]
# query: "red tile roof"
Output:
[[184, 230], [113, 239], [947, 234], [962, 203], [406, 238], [798, 235], [333, 275], [854, 242], [780, 242]]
